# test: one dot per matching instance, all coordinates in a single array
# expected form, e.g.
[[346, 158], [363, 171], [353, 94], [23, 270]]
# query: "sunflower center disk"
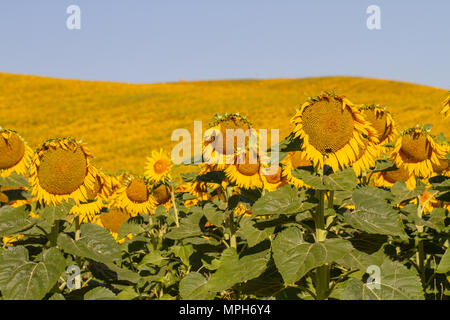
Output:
[[11, 151], [137, 191], [160, 166], [274, 178], [416, 147], [62, 171], [328, 126], [396, 175], [379, 122], [113, 220], [161, 194], [233, 141]]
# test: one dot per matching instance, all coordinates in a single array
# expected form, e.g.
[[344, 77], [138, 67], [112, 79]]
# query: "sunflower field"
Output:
[[357, 208]]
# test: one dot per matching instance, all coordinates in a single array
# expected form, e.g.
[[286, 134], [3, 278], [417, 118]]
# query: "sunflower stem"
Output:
[[233, 242], [420, 254], [322, 273], [175, 209], [53, 236]]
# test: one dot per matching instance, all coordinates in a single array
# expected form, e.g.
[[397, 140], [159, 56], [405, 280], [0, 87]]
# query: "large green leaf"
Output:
[[232, 270], [341, 180], [14, 180], [194, 287], [373, 214], [310, 178], [14, 220], [189, 227], [96, 243], [396, 283], [402, 193], [100, 293], [282, 201], [444, 265], [58, 212], [252, 234], [294, 257], [22, 279]]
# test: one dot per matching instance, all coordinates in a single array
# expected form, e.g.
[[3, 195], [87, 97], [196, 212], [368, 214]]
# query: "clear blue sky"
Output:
[[165, 40]]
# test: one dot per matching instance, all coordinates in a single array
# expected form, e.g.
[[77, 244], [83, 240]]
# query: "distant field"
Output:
[[122, 123]]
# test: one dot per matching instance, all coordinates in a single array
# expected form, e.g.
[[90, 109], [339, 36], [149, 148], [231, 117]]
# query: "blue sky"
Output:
[[166, 40]]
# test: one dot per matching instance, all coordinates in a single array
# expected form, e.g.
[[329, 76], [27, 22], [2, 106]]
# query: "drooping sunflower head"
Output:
[[15, 154], [113, 221], [382, 121], [331, 127], [417, 151], [86, 211], [61, 170], [162, 195], [158, 167], [389, 178], [443, 168], [246, 170], [274, 179], [446, 106], [134, 197], [221, 140]]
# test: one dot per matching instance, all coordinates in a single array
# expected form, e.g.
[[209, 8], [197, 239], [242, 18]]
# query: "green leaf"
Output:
[[294, 257], [383, 165], [402, 193], [22, 279], [444, 265], [194, 287], [129, 227], [127, 294], [14, 180], [14, 220], [355, 259], [252, 234], [154, 257], [341, 180], [189, 227], [213, 215], [374, 215], [96, 243], [233, 270], [58, 212], [100, 293], [281, 201], [396, 283], [310, 178], [183, 252]]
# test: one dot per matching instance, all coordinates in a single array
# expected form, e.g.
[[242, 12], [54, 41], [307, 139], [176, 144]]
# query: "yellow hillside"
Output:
[[122, 123]]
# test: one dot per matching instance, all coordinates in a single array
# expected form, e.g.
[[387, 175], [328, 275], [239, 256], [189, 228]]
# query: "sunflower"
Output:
[[217, 137], [134, 197], [332, 130], [202, 190], [15, 154], [275, 180], [416, 150], [61, 170], [293, 161], [86, 211], [389, 178], [246, 170], [382, 121], [113, 221], [158, 167], [162, 196], [367, 157], [444, 164], [446, 107], [8, 241]]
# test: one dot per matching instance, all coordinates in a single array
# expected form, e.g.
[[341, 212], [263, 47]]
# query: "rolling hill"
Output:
[[122, 123]]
